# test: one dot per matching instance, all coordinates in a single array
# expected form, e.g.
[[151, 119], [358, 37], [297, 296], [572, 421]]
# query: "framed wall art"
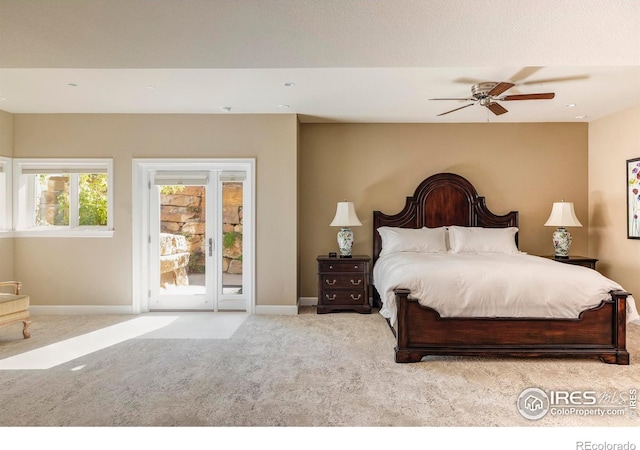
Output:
[[633, 198]]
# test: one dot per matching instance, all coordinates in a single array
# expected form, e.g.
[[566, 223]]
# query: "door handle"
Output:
[[210, 247]]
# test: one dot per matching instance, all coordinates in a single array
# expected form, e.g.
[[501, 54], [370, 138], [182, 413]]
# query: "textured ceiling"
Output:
[[351, 60]]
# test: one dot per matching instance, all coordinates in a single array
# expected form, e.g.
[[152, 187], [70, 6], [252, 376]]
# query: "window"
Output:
[[63, 196], [5, 194]]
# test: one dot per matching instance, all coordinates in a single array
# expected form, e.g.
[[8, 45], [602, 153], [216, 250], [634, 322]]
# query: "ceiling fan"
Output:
[[487, 94]]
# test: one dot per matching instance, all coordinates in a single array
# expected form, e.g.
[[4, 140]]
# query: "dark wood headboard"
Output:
[[443, 199]]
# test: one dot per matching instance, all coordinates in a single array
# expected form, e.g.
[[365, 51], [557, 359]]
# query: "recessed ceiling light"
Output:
[[284, 106], [570, 105], [72, 84], [289, 84], [581, 117], [226, 108], [2, 99], [150, 87]]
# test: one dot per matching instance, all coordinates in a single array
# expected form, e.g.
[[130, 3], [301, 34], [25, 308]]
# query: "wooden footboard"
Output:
[[600, 332]]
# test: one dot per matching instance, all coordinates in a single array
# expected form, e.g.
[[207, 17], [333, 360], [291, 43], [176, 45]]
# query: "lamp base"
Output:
[[345, 242], [561, 242]]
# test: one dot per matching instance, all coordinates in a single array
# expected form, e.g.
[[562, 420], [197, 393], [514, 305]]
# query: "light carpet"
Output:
[[197, 325], [311, 370]]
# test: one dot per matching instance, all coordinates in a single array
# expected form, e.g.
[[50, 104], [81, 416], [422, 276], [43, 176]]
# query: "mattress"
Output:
[[492, 285]]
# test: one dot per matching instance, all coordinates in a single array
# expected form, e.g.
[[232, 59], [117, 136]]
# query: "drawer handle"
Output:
[[356, 283], [356, 267], [330, 267], [331, 283], [356, 298], [333, 297]]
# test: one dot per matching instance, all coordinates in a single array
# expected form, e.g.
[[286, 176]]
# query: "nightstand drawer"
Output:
[[342, 266], [343, 281], [343, 297], [343, 284]]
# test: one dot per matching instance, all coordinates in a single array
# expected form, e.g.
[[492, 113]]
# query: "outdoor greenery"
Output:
[[228, 239], [93, 199], [169, 190], [92, 193]]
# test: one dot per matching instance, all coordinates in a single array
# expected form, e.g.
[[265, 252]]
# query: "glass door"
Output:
[[232, 295], [182, 241], [206, 206]]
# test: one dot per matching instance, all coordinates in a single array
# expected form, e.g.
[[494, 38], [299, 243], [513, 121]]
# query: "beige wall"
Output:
[[84, 271], [6, 149], [524, 167], [6, 134], [516, 166], [612, 141]]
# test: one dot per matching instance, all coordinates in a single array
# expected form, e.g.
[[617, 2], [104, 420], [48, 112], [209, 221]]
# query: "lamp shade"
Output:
[[345, 216], [563, 215]]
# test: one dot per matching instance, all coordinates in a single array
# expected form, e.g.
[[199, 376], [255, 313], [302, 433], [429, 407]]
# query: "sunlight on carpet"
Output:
[[198, 325], [155, 325], [70, 349]]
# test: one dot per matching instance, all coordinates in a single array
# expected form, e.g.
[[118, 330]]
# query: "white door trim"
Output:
[[143, 168], [201, 301]]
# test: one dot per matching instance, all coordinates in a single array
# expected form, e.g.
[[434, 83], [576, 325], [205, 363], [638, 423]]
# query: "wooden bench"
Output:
[[14, 307]]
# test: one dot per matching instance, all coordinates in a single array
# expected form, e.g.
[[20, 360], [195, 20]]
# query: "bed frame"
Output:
[[447, 199]]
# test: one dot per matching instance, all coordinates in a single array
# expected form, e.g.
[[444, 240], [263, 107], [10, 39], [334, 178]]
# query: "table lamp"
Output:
[[345, 217], [562, 216]]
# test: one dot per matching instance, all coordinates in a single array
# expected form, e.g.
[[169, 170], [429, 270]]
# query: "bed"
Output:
[[448, 203]]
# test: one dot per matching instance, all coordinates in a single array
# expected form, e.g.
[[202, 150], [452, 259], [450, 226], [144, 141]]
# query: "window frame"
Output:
[[24, 196], [6, 210]]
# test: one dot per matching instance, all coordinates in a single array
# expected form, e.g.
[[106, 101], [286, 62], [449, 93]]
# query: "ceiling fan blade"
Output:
[[496, 108], [555, 80], [463, 99], [546, 96], [462, 107], [469, 81], [523, 73], [500, 88]]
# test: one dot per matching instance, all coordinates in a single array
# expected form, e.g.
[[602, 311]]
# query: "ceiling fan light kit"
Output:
[[487, 94]]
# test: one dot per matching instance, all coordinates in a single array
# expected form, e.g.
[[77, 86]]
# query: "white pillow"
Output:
[[483, 240], [420, 240]]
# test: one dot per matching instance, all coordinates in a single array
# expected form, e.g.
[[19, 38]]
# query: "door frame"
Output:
[[143, 169]]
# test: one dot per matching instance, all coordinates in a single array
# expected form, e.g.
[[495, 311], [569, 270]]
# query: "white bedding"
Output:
[[492, 285]]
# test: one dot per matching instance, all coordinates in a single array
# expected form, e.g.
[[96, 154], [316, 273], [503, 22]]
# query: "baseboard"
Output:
[[80, 309], [308, 301], [128, 309]]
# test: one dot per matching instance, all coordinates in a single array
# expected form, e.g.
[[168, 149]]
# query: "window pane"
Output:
[[183, 240], [52, 199], [232, 200], [93, 199], [57, 195]]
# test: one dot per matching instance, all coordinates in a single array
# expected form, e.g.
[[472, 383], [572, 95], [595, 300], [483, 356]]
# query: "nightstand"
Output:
[[577, 261], [343, 284]]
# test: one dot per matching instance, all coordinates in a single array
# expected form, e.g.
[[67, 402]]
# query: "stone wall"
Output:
[[232, 228], [174, 260], [49, 205], [183, 213]]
